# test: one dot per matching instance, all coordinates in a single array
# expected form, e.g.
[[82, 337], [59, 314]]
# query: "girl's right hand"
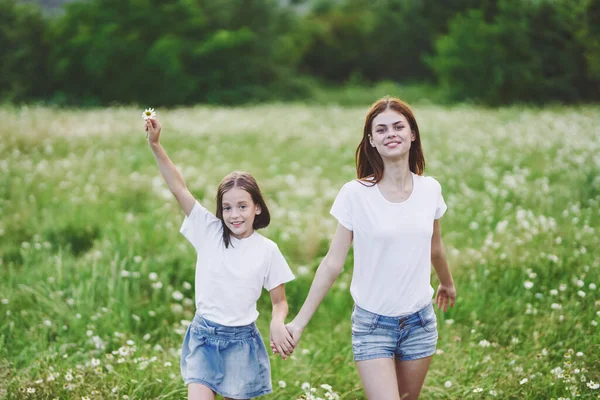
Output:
[[295, 332], [153, 129]]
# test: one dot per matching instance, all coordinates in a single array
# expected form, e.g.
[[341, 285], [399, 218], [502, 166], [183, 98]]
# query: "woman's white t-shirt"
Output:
[[392, 244], [229, 281]]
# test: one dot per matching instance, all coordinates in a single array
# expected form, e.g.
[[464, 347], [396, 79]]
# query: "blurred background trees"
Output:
[[177, 52]]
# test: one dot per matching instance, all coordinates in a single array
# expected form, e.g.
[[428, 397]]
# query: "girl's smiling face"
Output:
[[239, 212]]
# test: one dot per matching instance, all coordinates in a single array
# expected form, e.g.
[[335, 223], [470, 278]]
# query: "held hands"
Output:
[[446, 294], [294, 332], [281, 340], [153, 129]]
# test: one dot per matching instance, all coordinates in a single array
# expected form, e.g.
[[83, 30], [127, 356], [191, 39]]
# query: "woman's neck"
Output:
[[396, 174]]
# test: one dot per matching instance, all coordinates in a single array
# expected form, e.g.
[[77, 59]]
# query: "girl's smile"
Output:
[[239, 212]]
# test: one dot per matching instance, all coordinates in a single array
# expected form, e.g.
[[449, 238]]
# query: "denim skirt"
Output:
[[230, 360], [405, 338]]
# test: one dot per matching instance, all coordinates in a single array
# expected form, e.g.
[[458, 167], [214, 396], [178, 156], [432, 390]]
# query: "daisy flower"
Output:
[[148, 113]]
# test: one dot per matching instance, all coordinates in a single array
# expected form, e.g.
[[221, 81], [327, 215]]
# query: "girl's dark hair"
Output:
[[368, 161], [244, 181]]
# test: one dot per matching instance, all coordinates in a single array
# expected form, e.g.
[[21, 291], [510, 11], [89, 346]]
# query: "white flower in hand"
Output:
[[148, 113]]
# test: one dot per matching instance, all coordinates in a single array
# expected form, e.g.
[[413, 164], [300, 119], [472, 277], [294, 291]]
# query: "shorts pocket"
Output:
[[361, 328], [428, 319]]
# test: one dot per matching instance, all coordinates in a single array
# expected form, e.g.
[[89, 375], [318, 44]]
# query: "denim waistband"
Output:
[[382, 320], [211, 328]]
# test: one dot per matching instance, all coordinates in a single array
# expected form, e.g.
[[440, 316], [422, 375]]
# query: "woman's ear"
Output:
[[371, 141]]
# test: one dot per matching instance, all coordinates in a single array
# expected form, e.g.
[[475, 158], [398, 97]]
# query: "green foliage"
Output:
[[24, 54], [492, 51], [589, 35], [528, 52], [102, 52], [166, 53], [377, 40]]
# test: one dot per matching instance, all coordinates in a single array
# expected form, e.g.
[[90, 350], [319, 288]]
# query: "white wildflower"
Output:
[[148, 113], [177, 295]]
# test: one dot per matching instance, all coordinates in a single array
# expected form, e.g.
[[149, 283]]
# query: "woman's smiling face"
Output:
[[391, 135]]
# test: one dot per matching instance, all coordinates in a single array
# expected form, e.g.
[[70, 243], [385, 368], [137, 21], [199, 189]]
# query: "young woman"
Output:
[[391, 213]]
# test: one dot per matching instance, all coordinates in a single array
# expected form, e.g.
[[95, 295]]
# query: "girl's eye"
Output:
[[242, 207], [380, 130], [226, 208], [399, 127]]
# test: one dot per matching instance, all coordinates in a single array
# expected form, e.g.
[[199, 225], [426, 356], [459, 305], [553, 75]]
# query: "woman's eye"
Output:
[[226, 208], [242, 207], [399, 127]]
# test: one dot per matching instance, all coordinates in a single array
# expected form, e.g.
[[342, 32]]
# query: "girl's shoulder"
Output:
[[265, 242]]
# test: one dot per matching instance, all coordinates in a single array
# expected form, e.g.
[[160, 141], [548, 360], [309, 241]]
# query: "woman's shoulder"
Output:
[[430, 182], [356, 185]]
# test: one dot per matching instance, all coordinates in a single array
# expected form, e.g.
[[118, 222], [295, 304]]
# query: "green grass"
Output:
[[86, 222], [360, 94]]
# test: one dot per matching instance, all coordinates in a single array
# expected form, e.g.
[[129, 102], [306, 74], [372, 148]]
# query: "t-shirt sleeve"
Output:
[[278, 272], [342, 207], [198, 224], [441, 204]]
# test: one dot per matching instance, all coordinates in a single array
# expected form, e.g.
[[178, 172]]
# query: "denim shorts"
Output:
[[403, 338], [230, 360]]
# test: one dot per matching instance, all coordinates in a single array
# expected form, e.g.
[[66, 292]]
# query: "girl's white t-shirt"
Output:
[[392, 244], [229, 281]]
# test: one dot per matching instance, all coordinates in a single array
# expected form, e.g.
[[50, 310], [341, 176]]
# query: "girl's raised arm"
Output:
[[167, 168]]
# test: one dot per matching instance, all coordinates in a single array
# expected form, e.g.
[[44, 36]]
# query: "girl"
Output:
[[391, 213], [223, 352]]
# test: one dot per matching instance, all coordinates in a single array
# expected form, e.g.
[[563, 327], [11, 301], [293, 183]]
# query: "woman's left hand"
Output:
[[281, 340], [446, 294]]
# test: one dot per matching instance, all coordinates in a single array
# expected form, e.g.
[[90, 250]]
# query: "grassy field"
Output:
[[95, 279]]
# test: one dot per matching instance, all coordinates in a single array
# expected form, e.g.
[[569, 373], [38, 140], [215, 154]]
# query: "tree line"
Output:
[[177, 52]]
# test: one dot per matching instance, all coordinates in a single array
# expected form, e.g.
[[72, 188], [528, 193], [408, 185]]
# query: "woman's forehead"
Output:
[[388, 117]]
